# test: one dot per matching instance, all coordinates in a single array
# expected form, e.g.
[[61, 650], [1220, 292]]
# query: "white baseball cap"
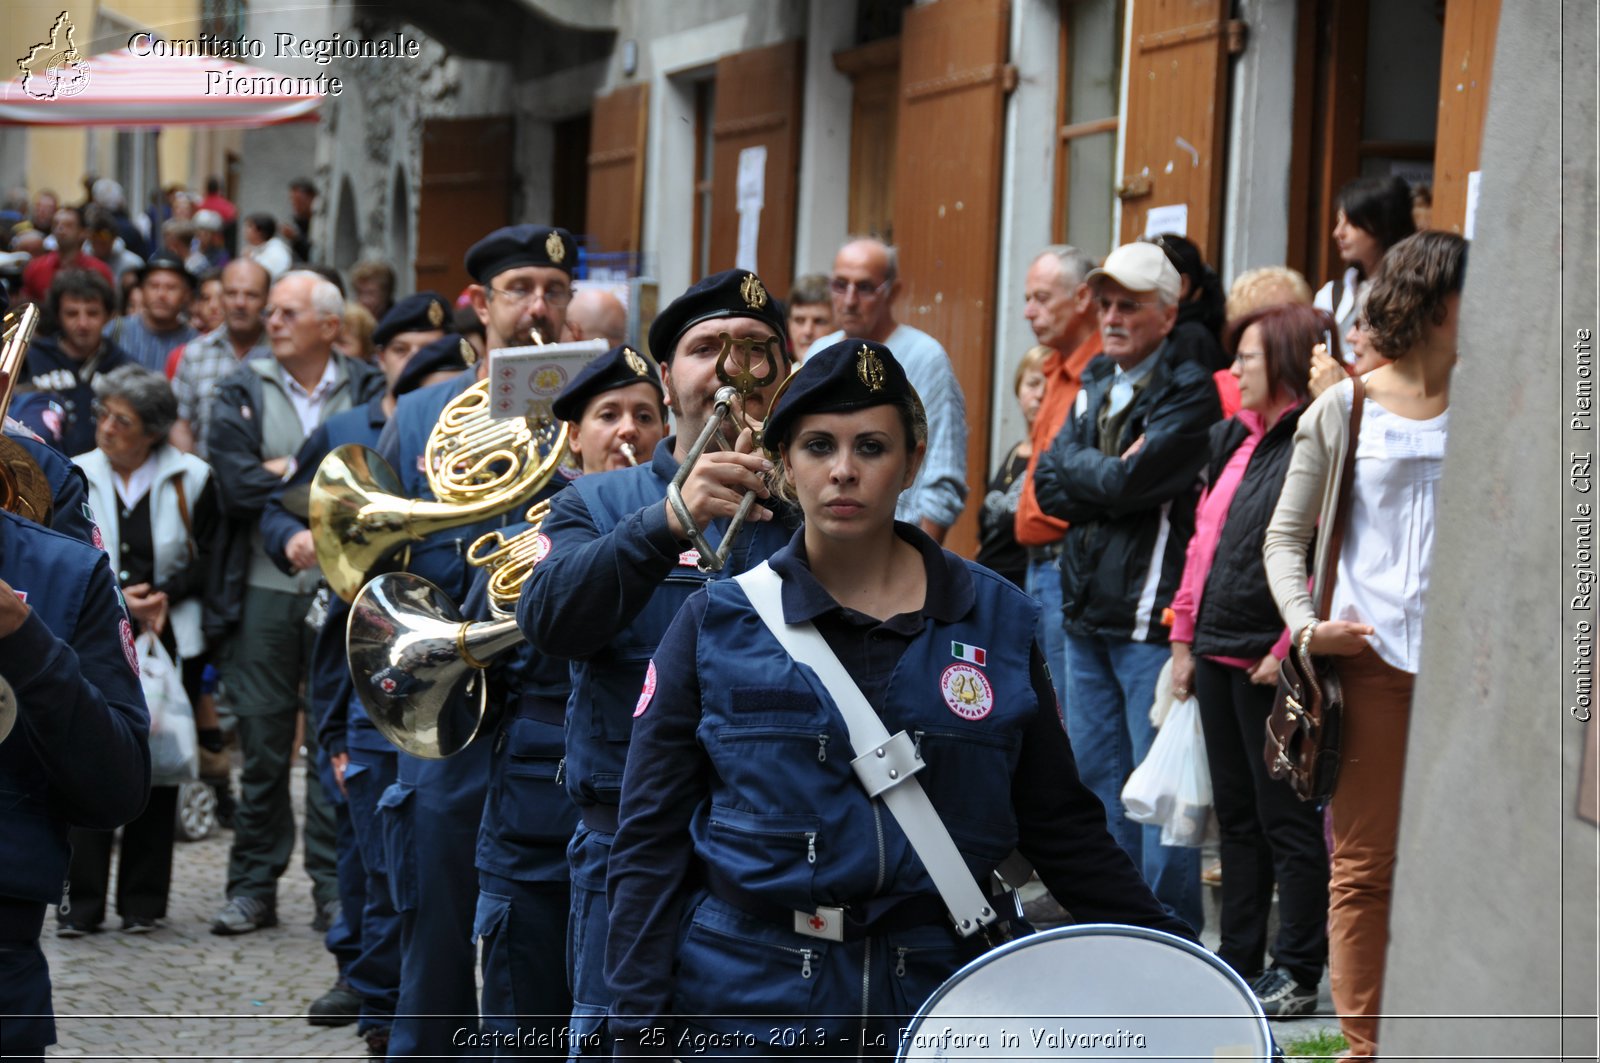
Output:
[[1140, 267]]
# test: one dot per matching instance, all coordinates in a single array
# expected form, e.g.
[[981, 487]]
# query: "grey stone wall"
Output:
[[1493, 928]]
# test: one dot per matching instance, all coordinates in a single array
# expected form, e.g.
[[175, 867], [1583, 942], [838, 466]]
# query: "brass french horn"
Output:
[[477, 466]]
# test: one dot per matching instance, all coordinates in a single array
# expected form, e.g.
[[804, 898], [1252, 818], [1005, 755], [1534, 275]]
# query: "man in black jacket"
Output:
[[1124, 471], [259, 417]]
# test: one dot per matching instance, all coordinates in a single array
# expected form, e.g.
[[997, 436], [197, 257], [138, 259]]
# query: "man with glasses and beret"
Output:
[[865, 284], [522, 285], [619, 564], [1124, 472], [357, 762]]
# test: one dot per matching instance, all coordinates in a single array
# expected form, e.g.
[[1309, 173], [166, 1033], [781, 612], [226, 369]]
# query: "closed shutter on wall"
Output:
[[953, 82], [466, 193], [616, 169], [1468, 56], [1175, 124], [758, 105]]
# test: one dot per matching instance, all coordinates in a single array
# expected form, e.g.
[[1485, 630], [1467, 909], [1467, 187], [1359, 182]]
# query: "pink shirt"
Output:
[[1208, 521]]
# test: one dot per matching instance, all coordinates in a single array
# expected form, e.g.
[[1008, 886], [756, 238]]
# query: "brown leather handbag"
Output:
[[1303, 729]]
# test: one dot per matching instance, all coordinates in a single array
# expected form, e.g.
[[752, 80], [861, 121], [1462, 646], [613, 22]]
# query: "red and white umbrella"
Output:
[[150, 91]]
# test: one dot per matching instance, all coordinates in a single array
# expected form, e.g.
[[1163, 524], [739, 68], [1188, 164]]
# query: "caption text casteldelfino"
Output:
[[320, 50]]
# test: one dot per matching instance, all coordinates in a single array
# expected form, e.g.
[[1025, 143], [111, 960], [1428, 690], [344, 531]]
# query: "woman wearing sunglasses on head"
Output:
[[762, 903]]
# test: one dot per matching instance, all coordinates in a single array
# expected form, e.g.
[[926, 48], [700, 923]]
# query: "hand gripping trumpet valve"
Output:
[[756, 364]]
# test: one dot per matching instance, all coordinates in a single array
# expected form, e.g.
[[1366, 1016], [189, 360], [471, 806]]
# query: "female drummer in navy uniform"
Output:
[[762, 904]]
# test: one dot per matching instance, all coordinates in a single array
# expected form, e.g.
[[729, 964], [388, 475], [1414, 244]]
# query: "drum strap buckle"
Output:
[[826, 923]]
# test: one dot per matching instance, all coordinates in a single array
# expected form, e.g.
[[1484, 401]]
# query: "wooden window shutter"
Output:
[[465, 195], [1175, 125], [953, 83], [1469, 35], [616, 169], [758, 104]]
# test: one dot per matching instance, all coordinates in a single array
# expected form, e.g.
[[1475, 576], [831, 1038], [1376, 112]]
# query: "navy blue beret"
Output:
[[422, 312], [617, 368], [168, 261], [731, 293], [521, 245], [849, 375], [440, 356]]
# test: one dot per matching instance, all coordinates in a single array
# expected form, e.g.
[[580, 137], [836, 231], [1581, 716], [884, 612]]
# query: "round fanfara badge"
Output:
[[967, 691], [648, 692], [125, 629], [539, 550]]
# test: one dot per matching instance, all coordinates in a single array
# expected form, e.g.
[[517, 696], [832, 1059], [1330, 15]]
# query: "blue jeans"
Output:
[[1111, 684], [1044, 584]]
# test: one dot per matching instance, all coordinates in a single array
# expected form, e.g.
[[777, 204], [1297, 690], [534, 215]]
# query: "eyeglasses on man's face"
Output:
[[863, 289], [1125, 307], [557, 295]]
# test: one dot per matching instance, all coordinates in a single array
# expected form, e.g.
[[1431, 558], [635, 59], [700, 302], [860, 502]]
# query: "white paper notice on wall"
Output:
[[751, 197], [752, 178], [744, 255], [1173, 218], [1470, 223]]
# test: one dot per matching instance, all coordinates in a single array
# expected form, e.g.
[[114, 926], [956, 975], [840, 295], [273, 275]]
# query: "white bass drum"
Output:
[[1092, 991]]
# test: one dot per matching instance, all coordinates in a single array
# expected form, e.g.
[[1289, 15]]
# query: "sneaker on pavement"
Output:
[[377, 1042], [1282, 996], [339, 1006], [137, 924], [74, 930], [241, 915], [327, 912]]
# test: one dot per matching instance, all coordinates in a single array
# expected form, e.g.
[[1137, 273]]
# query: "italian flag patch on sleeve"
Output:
[[971, 654]]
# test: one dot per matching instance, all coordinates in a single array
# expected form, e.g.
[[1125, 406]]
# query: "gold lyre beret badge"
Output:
[[555, 248], [755, 296], [469, 353], [435, 313], [869, 367], [635, 363]]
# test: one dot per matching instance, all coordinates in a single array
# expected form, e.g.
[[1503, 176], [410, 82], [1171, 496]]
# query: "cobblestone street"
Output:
[[182, 993]]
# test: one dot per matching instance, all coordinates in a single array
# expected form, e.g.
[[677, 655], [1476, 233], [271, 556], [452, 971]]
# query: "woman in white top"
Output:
[[158, 519], [1373, 214], [1380, 586]]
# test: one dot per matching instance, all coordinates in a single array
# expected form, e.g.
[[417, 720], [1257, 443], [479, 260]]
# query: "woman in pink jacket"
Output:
[[1227, 641]]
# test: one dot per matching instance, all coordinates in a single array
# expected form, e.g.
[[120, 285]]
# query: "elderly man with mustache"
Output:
[[1124, 472]]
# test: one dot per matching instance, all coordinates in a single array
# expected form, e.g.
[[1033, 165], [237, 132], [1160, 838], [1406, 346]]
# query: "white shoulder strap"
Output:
[[886, 765]]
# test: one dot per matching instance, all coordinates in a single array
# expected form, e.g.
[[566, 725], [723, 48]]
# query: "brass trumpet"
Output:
[[758, 367], [24, 490]]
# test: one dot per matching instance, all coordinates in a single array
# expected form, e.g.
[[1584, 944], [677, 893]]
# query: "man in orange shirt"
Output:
[[1061, 311]]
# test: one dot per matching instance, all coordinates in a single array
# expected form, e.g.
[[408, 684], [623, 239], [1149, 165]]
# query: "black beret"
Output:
[[617, 368], [849, 375], [168, 261], [422, 312], [731, 293], [440, 356], [521, 245]]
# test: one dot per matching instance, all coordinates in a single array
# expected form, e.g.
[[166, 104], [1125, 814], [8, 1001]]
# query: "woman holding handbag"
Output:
[[1227, 643], [762, 903], [1379, 572], [157, 514]]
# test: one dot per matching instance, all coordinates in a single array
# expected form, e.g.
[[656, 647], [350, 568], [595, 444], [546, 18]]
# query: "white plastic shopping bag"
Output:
[[174, 746], [1172, 787]]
